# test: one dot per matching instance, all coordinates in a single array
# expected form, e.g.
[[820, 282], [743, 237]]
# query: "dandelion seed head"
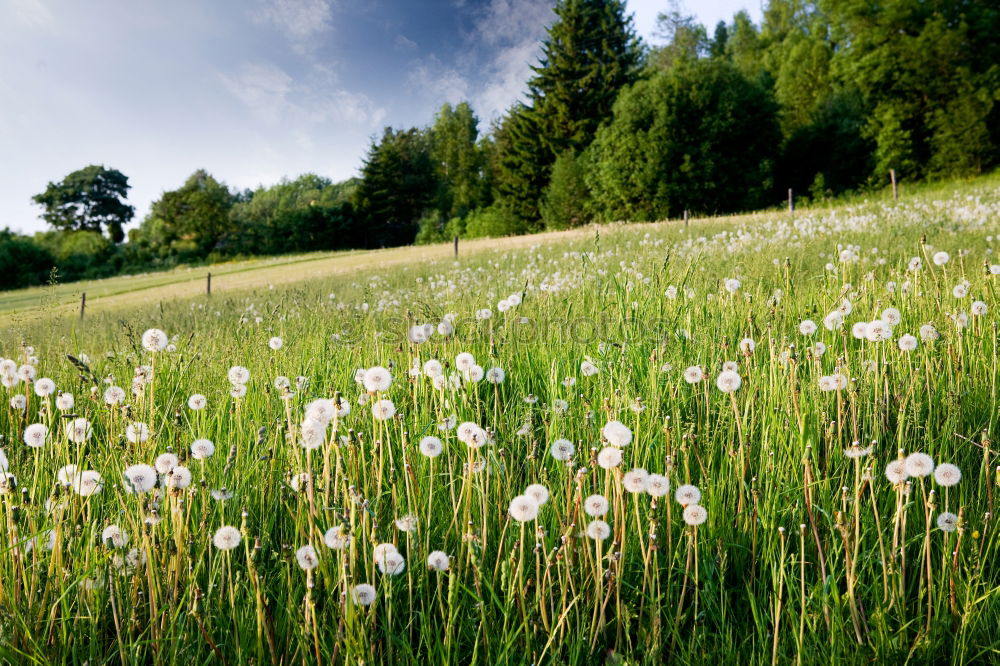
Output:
[[226, 537]]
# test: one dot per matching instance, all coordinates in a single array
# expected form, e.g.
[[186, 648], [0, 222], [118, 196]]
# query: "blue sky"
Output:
[[251, 90]]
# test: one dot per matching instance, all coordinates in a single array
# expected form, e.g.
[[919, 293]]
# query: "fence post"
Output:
[[685, 217], [456, 246], [791, 201], [83, 303], [208, 286], [892, 177]]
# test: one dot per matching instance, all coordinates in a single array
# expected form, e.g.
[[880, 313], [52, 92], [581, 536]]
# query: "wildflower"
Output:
[[202, 449], [562, 449], [179, 477], [113, 537], [154, 340], [609, 457], [238, 375], [919, 464], [947, 474], [377, 379], [598, 530], [896, 472], [407, 523], [464, 361], [35, 434], [8, 483], [807, 327], [693, 374], [471, 434], [941, 258], [438, 561], [336, 538], [747, 346], [588, 369], [66, 474], [44, 387], [165, 462], [907, 343], [221, 494], [78, 430], [657, 485], [275, 343], [891, 316], [878, 330], [197, 401], [87, 483], [383, 410], [474, 373], [856, 451], [226, 538], [64, 402], [431, 446], [393, 563], [495, 375], [947, 521], [560, 406], [595, 505], [569, 382], [537, 492], [307, 558], [137, 432], [695, 514], [114, 395], [635, 480], [730, 366], [860, 330], [363, 594], [238, 391], [978, 308], [732, 285], [687, 494], [139, 478], [616, 433], [833, 321], [523, 508], [928, 333], [445, 328], [728, 381]]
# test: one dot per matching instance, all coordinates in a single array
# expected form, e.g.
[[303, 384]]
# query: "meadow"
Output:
[[757, 440]]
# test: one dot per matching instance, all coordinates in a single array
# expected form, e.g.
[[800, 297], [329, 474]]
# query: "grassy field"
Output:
[[760, 439]]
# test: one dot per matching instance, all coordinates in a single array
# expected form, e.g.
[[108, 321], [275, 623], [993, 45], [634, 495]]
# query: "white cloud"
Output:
[[32, 13], [432, 80], [298, 20]]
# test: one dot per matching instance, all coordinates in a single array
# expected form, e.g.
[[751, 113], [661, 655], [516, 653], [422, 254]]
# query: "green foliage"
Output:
[[23, 263], [189, 222], [89, 199], [398, 184], [566, 198], [698, 137], [80, 254], [493, 222], [458, 161]]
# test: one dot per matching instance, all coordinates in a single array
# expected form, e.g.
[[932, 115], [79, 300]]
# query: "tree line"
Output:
[[823, 97]]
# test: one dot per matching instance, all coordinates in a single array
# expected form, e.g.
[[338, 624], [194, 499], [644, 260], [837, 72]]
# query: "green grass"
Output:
[[807, 555]]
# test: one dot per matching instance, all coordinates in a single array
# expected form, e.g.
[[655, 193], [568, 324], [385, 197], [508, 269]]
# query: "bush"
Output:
[[493, 222], [566, 197], [23, 263]]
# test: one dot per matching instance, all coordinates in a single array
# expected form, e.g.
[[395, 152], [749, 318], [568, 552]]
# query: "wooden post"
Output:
[[685, 217], [892, 177], [791, 201], [456, 246], [209, 285], [83, 303]]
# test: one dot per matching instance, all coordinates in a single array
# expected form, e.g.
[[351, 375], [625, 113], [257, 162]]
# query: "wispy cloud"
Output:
[[31, 13], [432, 80], [299, 20]]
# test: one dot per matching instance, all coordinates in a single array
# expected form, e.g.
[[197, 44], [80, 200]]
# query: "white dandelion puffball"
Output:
[[87, 483], [616, 433], [657, 485], [947, 521], [445, 328], [226, 537], [947, 474], [891, 316], [693, 374], [747, 346], [407, 523], [730, 366], [321, 410], [165, 462], [392, 564], [474, 373], [78, 430], [65, 402], [179, 477], [238, 391], [140, 478], [732, 285], [495, 375], [45, 387], [438, 560], [113, 537], [537, 492], [383, 410], [307, 558], [919, 464], [464, 361], [907, 342], [337, 538], [522, 508], [598, 530], [238, 375], [137, 432], [833, 321], [114, 395], [363, 594], [202, 449], [431, 446], [19, 402], [928, 333], [941, 258], [728, 381], [609, 457], [66, 474], [978, 308], [471, 434], [588, 369], [635, 480], [687, 494], [433, 368], [859, 330], [154, 340], [896, 472], [695, 514], [35, 434], [595, 505], [878, 330], [562, 449], [807, 327], [381, 550], [377, 379], [197, 401], [275, 343], [312, 434]]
